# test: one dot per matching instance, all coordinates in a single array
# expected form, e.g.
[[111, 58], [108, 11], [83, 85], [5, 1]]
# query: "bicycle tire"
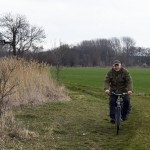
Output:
[[117, 118]]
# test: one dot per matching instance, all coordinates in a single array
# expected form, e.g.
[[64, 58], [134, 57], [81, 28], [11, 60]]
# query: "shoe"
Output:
[[112, 121], [124, 118], [129, 110]]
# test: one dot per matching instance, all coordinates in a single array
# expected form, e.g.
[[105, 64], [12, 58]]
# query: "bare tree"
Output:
[[116, 46], [20, 33], [128, 48]]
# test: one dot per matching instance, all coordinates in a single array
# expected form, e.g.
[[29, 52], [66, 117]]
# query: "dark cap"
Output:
[[116, 62]]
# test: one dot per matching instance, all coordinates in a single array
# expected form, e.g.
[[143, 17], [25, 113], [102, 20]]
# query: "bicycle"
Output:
[[118, 110]]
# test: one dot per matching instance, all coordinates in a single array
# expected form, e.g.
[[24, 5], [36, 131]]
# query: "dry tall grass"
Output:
[[34, 84], [24, 83]]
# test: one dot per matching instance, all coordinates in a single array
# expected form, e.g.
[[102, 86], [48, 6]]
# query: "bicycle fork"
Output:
[[118, 115]]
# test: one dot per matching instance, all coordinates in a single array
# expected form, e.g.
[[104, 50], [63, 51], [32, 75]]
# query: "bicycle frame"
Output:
[[118, 110]]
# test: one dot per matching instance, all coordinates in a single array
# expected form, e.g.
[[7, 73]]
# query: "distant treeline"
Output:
[[99, 52]]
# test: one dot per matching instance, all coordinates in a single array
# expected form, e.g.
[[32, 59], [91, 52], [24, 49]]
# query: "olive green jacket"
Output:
[[118, 81]]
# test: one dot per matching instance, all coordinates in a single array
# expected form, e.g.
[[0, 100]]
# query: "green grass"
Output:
[[94, 77], [83, 123], [141, 80]]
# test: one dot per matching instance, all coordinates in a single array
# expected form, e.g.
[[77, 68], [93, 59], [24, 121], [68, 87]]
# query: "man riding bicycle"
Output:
[[118, 80]]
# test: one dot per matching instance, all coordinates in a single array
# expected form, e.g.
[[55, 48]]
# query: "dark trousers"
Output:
[[126, 105]]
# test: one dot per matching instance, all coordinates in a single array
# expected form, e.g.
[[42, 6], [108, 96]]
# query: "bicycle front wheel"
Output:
[[117, 118]]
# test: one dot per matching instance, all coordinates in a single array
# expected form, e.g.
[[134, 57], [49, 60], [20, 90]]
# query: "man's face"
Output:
[[117, 67]]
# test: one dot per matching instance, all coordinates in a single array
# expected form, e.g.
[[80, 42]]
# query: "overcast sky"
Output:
[[72, 21]]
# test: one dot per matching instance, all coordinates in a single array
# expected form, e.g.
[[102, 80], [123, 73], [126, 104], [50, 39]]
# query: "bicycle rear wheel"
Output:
[[117, 118]]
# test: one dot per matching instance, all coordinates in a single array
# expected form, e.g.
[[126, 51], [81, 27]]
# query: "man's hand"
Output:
[[107, 91], [129, 92]]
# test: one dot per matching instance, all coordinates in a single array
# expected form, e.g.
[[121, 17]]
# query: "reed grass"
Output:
[[33, 83]]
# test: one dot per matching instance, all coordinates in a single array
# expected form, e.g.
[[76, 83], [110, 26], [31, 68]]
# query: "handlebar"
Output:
[[122, 94]]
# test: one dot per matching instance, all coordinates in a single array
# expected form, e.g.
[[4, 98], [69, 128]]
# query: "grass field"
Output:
[[83, 122], [94, 77]]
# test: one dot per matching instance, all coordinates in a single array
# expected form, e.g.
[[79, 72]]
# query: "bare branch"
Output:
[[22, 35]]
